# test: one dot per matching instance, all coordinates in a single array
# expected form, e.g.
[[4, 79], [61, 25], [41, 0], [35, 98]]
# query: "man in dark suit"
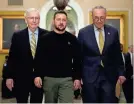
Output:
[[20, 64], [128, 85], [102, 63]]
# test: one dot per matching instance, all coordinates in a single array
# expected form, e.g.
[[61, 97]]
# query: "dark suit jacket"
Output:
[[20, 62], [91, 57], [128, 66]]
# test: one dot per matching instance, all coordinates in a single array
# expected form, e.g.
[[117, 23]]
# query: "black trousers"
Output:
[[128, 90], [25, 89], [100, 91]]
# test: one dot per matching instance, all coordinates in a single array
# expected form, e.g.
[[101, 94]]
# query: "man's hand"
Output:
[[10, 84], [38, 82], [77, 84], [121, 79]]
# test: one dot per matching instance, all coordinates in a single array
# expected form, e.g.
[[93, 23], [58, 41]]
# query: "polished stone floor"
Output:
[[14, 101]]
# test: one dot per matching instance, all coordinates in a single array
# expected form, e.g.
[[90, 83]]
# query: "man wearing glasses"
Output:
[[102, 64], [20, 63]]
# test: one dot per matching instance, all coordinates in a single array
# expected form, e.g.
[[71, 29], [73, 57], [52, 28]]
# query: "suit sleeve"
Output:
[[76, 60], [118, 55], [12, 59], [80, 40]]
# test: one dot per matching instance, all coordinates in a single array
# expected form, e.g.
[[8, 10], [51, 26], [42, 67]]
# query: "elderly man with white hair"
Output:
[[20, 64]]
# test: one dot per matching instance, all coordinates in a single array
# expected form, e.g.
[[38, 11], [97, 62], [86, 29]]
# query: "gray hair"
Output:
[[99, 7], [130, 46], [30, 10]]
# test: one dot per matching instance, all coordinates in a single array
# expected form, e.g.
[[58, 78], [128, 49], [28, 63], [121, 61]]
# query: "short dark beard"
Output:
[[60, 29]]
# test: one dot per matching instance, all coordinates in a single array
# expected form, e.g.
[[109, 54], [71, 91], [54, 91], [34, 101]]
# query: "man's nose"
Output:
[[99, 20], [61, 21], [34, 19]]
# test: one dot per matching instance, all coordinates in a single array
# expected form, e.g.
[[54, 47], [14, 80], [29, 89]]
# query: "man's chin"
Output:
[[99, 26], [61, 29]]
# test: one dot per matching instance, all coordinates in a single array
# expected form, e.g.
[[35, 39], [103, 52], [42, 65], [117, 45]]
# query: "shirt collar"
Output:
[[36, 31], [96, 29]]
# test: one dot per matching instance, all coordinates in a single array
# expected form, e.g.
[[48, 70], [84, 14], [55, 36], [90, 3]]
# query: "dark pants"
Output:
[[6, 93], [128, 90], [24, 89], [100, 91], [77, 93]]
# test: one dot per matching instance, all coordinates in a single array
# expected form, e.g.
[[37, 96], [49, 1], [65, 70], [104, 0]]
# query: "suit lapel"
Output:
[[107, 38], [93, 39], [27, 42], [40, 33], [27, 39]]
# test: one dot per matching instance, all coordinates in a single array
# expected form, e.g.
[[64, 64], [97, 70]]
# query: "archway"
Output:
[[74, 5]]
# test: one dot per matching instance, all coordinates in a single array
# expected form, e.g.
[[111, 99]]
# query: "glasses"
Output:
[[34, 18], [102, 19]]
